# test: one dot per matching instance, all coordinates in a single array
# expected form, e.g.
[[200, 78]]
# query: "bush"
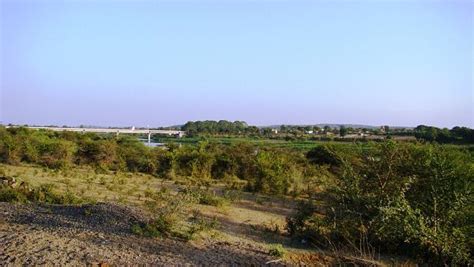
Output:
[[56, 154], [10, 151], [207, 198], [100, 153], [273, 173], [195, 162], [323, 154], [135, 156], [147, 230], [401, 197], [277, 250], [198, 225]]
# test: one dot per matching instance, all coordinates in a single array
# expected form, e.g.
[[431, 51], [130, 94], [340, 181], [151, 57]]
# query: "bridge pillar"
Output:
[[149, 137]]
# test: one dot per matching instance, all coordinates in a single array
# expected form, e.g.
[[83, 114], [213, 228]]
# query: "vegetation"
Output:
[[220, 129], [43, 194], [267, 170], [170, 211], [277, 250], [388, 196], [407, 198], [455, 135]]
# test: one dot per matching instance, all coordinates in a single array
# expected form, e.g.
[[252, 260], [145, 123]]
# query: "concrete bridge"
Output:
[[117, 131]]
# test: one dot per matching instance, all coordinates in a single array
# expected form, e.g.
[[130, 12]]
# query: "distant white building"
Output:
[[275, 131], [309, 132]]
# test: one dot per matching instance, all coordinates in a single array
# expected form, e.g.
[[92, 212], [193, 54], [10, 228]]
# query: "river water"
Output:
[[151, 144]]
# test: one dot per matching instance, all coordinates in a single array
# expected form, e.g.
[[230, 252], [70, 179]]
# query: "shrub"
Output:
[[277, 250], [401, 197], [195, 162], [198, 224], [165, 163], [10, 151], [273, 173], [147, 230], [323, 154], [135, 156], [56, 154], [100, 153], [207, 198]]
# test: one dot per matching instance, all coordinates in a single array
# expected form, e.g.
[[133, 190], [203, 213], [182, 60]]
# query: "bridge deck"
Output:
[[112, 130]]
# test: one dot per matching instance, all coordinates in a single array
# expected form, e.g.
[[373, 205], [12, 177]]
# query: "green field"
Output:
[[296, 144]]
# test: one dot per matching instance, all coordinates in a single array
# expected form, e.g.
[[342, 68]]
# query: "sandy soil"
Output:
[[95, 234]]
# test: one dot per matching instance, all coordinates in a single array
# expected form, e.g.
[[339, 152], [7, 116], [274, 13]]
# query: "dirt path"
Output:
[[94, 234]]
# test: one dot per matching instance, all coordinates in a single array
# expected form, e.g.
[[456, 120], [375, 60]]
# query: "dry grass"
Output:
[[125, 188]]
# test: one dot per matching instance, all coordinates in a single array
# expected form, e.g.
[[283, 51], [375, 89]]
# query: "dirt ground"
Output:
[[98, 234]]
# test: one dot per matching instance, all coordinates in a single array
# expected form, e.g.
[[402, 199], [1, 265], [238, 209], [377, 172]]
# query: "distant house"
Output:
[[275, 131], [384, 129], [309, 132]]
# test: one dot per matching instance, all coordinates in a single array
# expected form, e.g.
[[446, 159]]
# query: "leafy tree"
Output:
[[342, 131]]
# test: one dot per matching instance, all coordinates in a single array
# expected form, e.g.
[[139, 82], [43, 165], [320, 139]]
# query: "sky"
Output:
[[159, 63]]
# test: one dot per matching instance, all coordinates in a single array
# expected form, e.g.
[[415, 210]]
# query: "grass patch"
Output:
[[42, 194], [210, 199]]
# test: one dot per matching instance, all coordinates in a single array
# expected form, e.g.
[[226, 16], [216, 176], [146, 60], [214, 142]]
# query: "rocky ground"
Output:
[[100, 234]]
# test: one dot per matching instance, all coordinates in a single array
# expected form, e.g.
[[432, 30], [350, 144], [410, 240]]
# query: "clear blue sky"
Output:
[[266, 62]]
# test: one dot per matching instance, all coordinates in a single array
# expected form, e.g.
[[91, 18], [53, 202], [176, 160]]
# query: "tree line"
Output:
[[218, 127], [455, 135], [461, 135]]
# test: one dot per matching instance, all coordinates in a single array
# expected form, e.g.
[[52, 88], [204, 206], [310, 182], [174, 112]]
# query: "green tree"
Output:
[[342, 131]]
